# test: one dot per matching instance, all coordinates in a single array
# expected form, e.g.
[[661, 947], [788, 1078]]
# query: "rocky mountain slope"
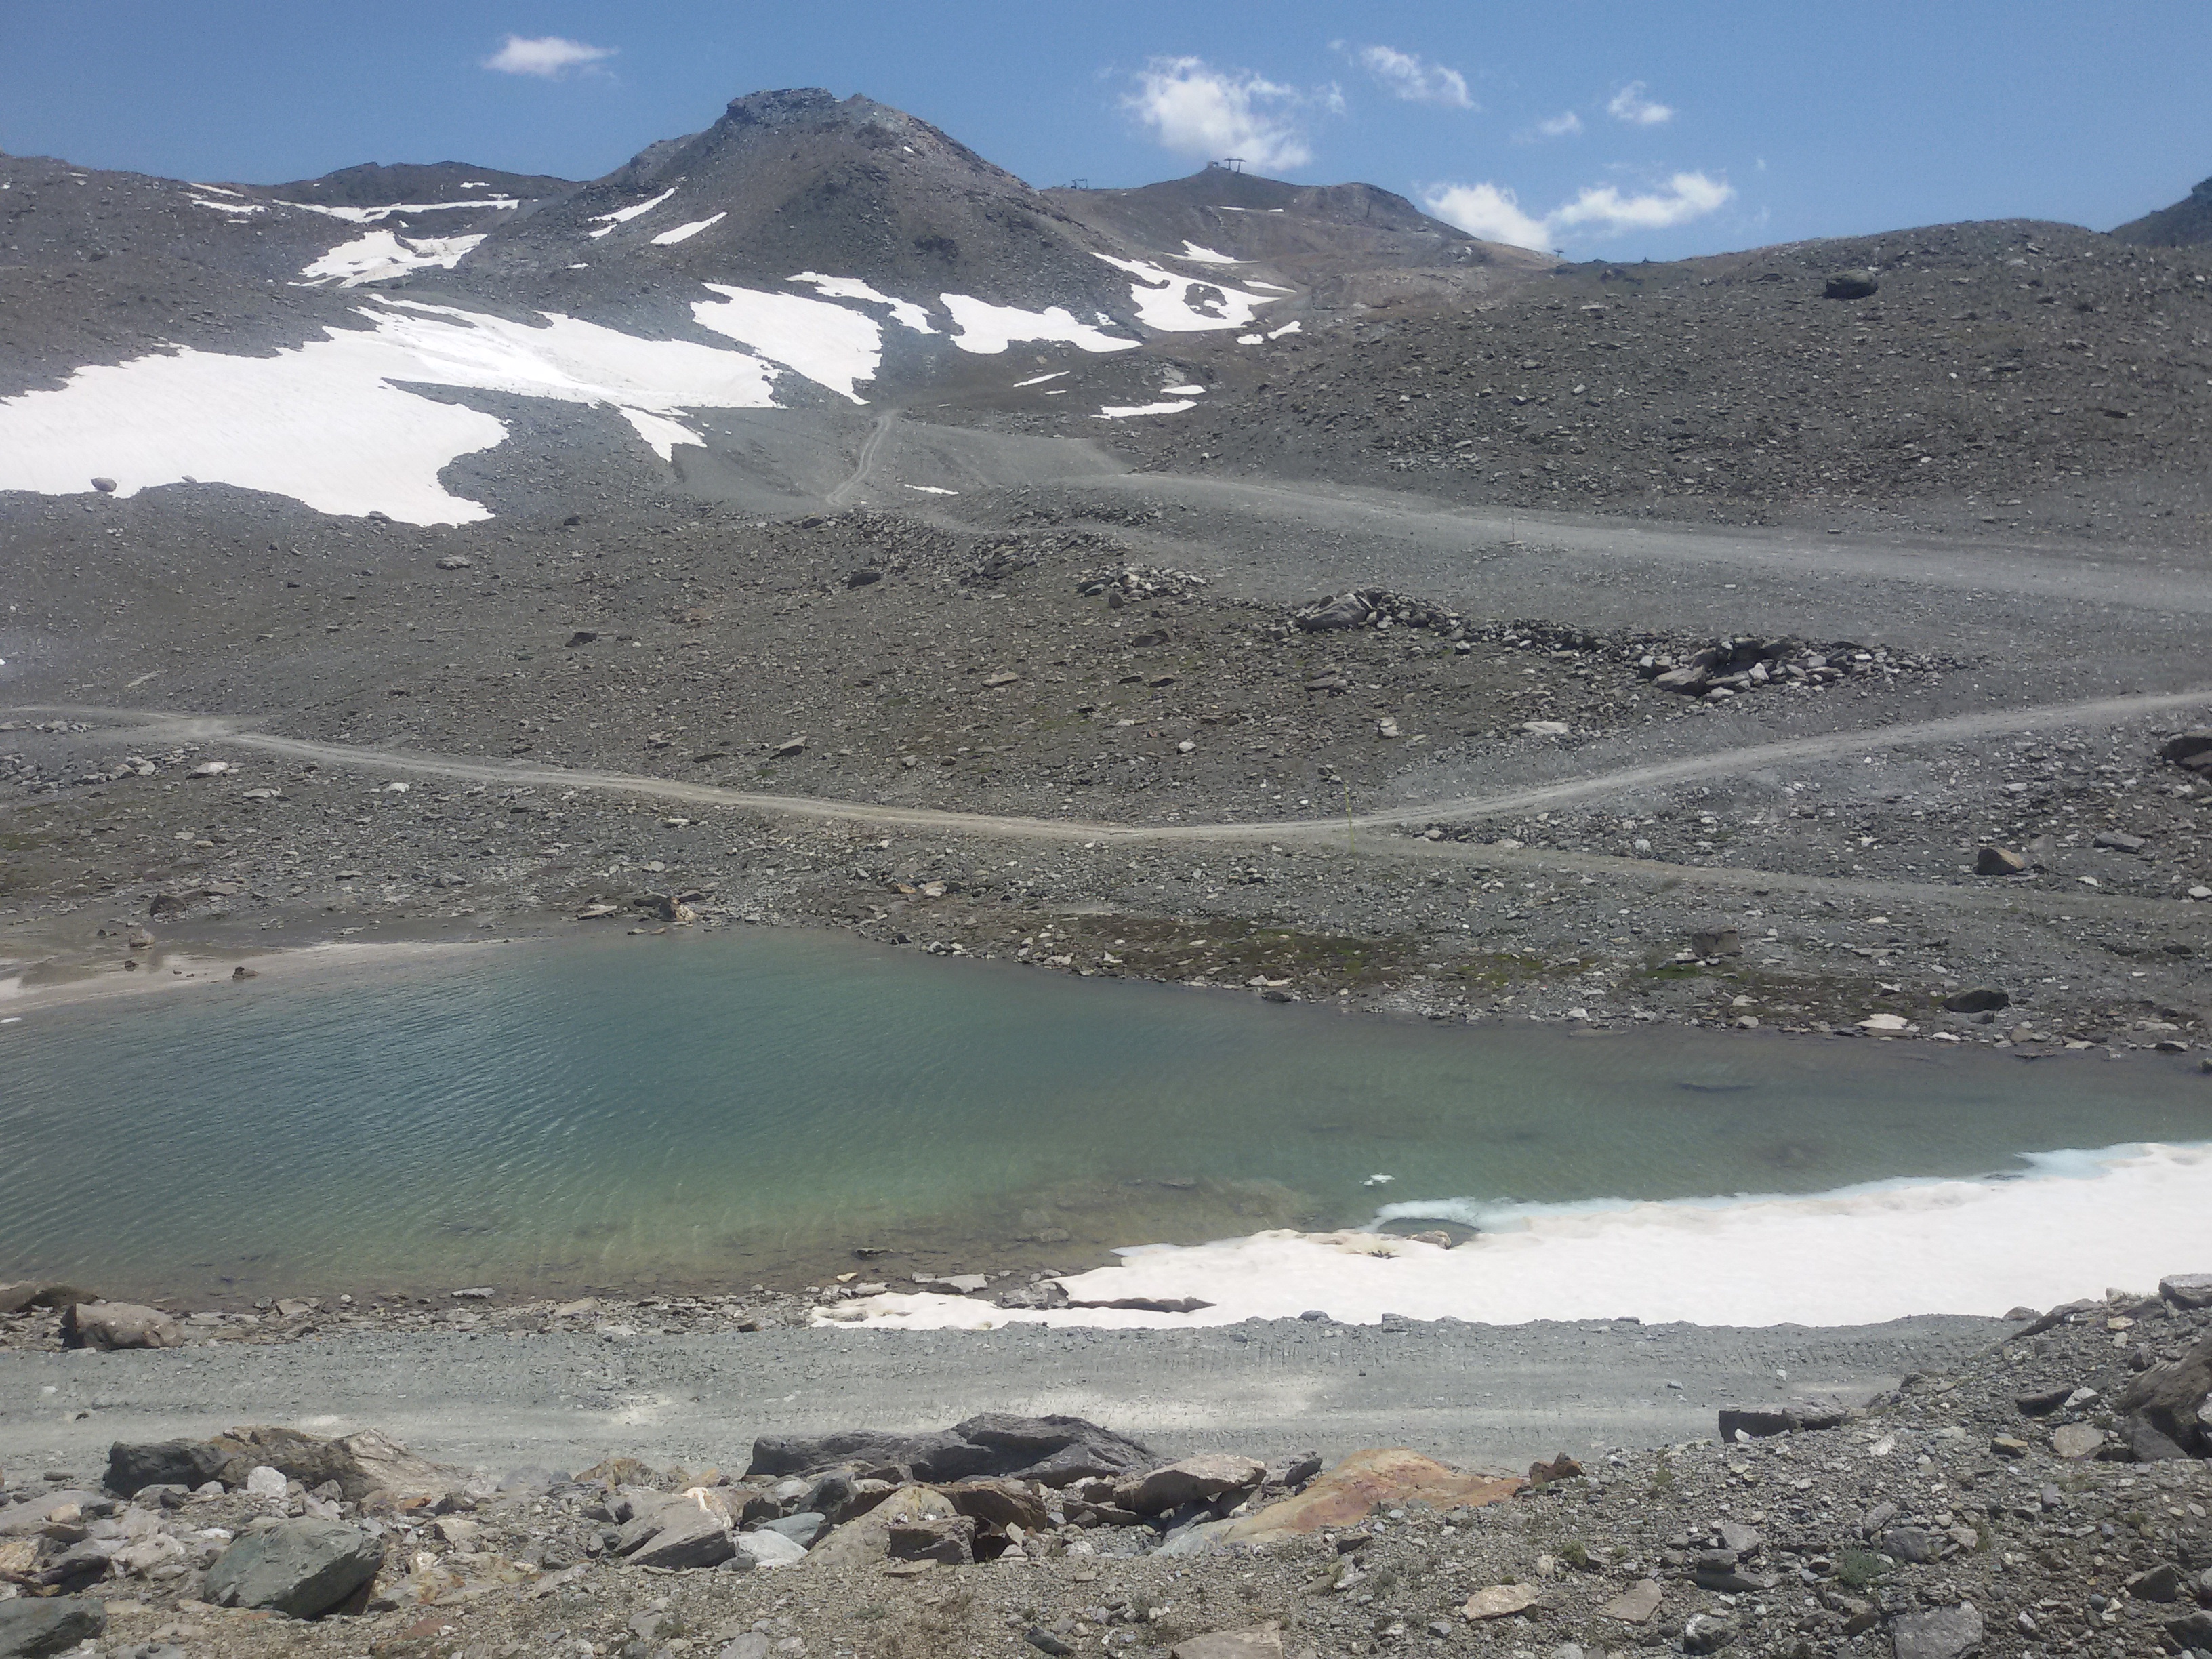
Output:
[[2187, 224]]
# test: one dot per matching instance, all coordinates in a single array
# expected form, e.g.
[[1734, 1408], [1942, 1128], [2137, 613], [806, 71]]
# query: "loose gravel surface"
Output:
[[1968, 1508]]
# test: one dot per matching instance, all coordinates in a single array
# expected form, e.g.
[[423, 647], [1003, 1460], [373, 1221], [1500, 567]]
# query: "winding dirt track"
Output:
[[866, 461], [240, 732]]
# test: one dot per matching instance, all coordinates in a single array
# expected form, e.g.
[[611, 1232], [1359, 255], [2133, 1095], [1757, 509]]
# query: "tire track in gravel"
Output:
[[240, 732]]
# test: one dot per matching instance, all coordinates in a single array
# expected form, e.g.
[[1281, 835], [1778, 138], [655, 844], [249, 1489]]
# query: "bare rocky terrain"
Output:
[[1802, 641], [2043, 1495]]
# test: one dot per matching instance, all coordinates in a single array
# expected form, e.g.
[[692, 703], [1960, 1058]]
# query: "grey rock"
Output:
[[802, 1528], [1938, 1633], [762, 1550], [2162, 1583], [2113, 841], [1703, 1633], [2170, 1397], [1193, 1481], [2147, 1445], [31, 1628], [1913, 1544], [1999, 861], [676, 1533], [753, 1644], [1851, 286], [185, 1463], [1980, 1000], [2187, 1290], [1056, 1451], [302, 1568]]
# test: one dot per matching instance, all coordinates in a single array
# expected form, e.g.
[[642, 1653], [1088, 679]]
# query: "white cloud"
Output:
[[1490, 212], [1413, 77], [547, 56], [1688, 195], [1565, 124], [1494, 213], [1194, 109], [1629, 105]]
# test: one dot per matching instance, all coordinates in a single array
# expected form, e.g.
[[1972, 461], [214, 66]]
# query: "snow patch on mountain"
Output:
[[332, 423], [607, 221], [989, 329], [1176, 304], [382, 253], [686, 232], [852, 287], [830, 344]]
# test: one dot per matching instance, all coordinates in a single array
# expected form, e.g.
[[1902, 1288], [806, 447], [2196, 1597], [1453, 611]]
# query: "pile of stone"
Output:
[[1119, 584], [1377, 608], [1728, 667]]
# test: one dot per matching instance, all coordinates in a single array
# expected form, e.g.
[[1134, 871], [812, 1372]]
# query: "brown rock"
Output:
[[858, 1543], [948, 1540], [1000, 1503], [1263, 1642], [1501, 1601], [109, 1325], [1366, 1481], [1636, 1605]]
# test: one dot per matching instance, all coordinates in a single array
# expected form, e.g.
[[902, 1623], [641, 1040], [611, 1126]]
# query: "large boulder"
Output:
[[31, 1628], [131, 1468], [2171, 1398], [690, 1529], [303, 1568], [1198, 1480], [363, 1463], [1055, 1450], [1000, 1503], [858, 1543], [110, 1325], [1366, 1481], [2191, 749]]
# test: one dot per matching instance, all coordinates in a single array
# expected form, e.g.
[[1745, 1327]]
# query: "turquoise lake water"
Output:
[[708, 1111]]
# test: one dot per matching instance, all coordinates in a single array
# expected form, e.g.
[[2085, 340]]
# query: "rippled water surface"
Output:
[[702, 1110]]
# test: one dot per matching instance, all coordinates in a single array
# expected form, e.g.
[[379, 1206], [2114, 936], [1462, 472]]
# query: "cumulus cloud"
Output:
[[1413, 77], [1565, 125], [546, 56], [1629, 105], [1495, 214], [1490, 212], [1193, 109]]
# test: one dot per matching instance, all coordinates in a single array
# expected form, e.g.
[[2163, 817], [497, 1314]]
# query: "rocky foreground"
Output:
[[2046, 1496]]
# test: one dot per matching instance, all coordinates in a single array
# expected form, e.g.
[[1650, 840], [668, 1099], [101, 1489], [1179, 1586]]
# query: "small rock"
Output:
[[2162, 1583], [32, 1628], [1981, 1000], [262, 1481], [1500, 1601], [1718, 942], [1636, 1605], [764, 1551], [1265, 1642], [1999, 861], [104, 486], [583, 636], [2075, 1441], [2113, 841], [1705, 1633], [1850, 287], [1939, 1633], [454, 562]]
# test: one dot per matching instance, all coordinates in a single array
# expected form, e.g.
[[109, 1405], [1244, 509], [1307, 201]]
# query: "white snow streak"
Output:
[[686, 232], [852, 287], [369, 215], [1122, 412], [623, 216], [1205, 256]]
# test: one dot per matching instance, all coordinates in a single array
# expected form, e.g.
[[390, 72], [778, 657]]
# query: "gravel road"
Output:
[[1469, 1393]]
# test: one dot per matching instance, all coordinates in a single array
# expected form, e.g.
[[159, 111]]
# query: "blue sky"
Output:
[[1602, 127]]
